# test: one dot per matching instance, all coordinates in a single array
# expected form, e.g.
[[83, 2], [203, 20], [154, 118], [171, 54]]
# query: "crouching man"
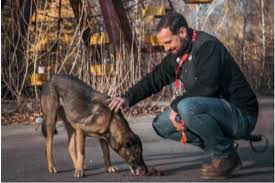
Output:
[[217, 104]]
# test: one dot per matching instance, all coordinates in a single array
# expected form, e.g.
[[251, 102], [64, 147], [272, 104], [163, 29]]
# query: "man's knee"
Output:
[[157, 126], [187, 108], [164, 128]]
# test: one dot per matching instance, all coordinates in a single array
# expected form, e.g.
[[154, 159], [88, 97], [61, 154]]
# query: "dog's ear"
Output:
[[113, 143]]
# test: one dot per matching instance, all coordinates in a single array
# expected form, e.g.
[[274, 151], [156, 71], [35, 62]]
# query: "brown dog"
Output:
[[85, 112]]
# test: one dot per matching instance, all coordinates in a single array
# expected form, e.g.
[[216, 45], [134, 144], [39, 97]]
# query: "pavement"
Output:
[[23, 158]]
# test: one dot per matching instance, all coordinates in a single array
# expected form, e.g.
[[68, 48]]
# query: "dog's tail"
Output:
[[44, 130]]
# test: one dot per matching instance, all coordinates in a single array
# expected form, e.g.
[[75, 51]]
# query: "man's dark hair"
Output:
[[173, 20]]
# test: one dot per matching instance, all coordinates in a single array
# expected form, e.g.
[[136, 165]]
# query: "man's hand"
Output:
[[172, 117], [118, 103]]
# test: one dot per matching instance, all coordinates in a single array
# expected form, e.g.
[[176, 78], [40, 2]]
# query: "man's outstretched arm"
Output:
[[162, 74]]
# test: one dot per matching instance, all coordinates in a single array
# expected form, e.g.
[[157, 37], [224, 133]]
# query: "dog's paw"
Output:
[[79, 173], [52, 169], [112, 169]]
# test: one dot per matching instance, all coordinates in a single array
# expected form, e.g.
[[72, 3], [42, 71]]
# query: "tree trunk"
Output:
[[83, 19], [263, 48], [243, 61], [117, 26]]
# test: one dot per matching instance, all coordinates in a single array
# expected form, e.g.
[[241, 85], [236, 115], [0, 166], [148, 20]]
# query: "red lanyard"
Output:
[[183, 59]]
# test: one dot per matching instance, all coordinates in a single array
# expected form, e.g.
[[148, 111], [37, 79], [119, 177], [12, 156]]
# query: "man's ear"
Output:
[[183, 32]]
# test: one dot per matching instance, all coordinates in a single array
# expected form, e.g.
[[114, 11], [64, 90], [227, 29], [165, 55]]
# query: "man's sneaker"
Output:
[[223, 168]]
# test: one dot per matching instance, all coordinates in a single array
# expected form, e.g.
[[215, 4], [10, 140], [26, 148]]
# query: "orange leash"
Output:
[[181, 61], [180, 128]]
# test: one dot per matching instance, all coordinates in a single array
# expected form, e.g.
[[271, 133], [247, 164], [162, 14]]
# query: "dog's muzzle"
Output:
[[139, 171]]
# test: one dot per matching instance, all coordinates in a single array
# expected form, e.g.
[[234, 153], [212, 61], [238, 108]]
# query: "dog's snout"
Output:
[[141, 171], [138, 170]]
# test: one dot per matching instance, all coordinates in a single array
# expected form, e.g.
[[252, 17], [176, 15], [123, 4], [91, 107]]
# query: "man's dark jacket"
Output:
[[210, 72]]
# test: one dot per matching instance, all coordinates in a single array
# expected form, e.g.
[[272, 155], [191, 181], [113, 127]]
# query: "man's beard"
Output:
[[185, 46]]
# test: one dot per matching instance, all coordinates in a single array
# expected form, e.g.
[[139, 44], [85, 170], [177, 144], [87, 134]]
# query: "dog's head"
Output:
[[127, 144], [131, 150]]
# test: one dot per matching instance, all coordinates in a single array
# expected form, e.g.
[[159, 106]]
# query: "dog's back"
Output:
[[66, 86]]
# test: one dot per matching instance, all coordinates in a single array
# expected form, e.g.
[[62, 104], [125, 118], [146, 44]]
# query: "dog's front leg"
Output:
[[106, 156], [80, 140]]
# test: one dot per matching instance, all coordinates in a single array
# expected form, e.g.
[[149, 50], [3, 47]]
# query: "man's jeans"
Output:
[[210, 123]]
